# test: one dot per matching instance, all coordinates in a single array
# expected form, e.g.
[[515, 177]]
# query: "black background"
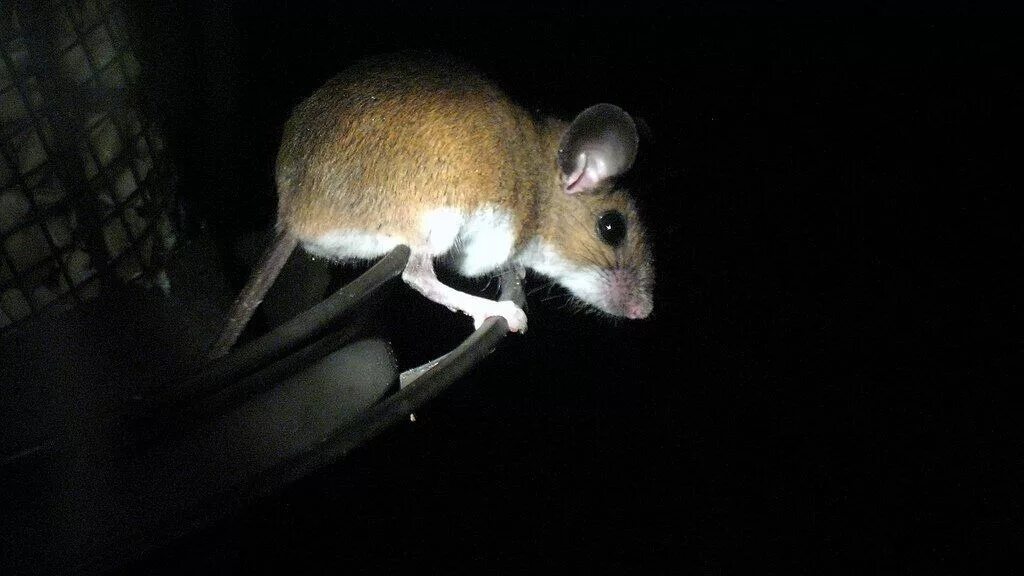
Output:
[[824, 383]]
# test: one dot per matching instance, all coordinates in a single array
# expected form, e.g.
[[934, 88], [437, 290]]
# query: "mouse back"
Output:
[[394, 136]]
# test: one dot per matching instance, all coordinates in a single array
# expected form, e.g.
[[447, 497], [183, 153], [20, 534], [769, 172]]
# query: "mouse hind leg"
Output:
[[419, 273]]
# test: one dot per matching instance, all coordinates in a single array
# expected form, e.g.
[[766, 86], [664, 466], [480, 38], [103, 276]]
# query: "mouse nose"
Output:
[[638, 309]]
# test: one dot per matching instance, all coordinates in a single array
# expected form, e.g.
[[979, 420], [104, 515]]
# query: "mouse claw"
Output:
[[513, 315]]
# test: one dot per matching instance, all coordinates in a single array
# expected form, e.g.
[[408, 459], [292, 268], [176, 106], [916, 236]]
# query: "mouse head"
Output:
[[591, 240]]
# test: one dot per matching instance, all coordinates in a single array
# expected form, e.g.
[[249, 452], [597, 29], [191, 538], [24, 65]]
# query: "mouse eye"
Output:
[[611, 227]]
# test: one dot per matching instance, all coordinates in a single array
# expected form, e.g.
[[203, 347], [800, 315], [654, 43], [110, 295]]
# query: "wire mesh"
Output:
[[86, 188]]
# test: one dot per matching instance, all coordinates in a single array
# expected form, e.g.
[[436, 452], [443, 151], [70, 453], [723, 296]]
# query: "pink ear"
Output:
[[589, 170], [599, 144]]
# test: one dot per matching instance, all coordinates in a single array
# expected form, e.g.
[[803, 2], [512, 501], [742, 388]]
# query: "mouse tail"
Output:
[[263, 276]]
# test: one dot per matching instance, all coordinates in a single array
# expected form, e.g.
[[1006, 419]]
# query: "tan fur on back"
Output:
[[391, 138]]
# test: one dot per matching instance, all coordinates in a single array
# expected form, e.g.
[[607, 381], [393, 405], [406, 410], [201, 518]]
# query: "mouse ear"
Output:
[[599, 144]]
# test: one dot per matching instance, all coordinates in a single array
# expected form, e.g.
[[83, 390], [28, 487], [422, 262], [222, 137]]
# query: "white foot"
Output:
[[419, 273], [513, 315]]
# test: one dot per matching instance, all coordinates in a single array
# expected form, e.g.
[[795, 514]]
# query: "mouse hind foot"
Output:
[[419, 273]]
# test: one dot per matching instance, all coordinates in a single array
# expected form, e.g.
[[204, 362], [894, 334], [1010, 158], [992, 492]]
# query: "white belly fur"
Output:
[[482, 240], [350, 245]]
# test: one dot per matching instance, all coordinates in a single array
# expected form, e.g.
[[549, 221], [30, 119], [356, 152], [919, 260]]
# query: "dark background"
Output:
[[823, 385]]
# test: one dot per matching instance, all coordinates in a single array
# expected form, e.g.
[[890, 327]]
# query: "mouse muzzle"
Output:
[[629, 293]]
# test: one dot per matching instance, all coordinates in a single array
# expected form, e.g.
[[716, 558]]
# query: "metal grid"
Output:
[[86, 190]]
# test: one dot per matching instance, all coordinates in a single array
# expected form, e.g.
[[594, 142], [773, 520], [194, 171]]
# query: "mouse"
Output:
[[424, 150]]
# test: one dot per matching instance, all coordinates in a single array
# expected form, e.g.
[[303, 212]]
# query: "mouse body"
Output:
[[422, 150]]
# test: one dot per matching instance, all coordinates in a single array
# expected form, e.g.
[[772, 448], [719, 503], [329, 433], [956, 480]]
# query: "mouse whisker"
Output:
[[549, 284], [566, 297]]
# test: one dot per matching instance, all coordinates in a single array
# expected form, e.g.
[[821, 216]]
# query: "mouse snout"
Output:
[[629, 295], [638, 309]]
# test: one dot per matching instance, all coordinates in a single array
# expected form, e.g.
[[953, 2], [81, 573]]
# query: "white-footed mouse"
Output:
[[423, 151]]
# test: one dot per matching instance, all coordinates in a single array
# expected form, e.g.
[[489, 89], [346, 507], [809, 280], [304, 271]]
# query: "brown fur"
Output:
[[569, 221], [392, 137]]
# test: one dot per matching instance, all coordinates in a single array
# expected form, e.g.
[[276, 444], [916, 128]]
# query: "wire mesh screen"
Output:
[[86, 190]]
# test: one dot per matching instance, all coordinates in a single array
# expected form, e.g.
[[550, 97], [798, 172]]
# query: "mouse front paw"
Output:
[[513, 315]]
